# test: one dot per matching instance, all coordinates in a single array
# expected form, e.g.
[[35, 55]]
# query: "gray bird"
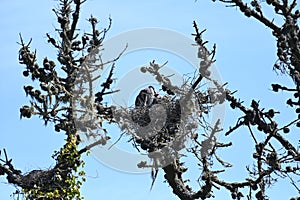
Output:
[[146, 97]]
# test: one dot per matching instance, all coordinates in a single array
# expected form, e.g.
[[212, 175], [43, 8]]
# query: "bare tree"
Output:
[[62, 96]]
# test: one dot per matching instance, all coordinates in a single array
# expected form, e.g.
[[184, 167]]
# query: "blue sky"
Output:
[[245, 53]]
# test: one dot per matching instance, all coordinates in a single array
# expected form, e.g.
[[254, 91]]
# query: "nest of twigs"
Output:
[[157, 126]]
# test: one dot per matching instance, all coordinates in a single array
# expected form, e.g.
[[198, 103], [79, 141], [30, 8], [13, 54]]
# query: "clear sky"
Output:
[[245, 54]]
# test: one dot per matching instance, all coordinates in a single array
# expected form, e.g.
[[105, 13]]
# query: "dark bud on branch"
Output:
[[26, 111], [275, 87], [26, 73], [286, 130]]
